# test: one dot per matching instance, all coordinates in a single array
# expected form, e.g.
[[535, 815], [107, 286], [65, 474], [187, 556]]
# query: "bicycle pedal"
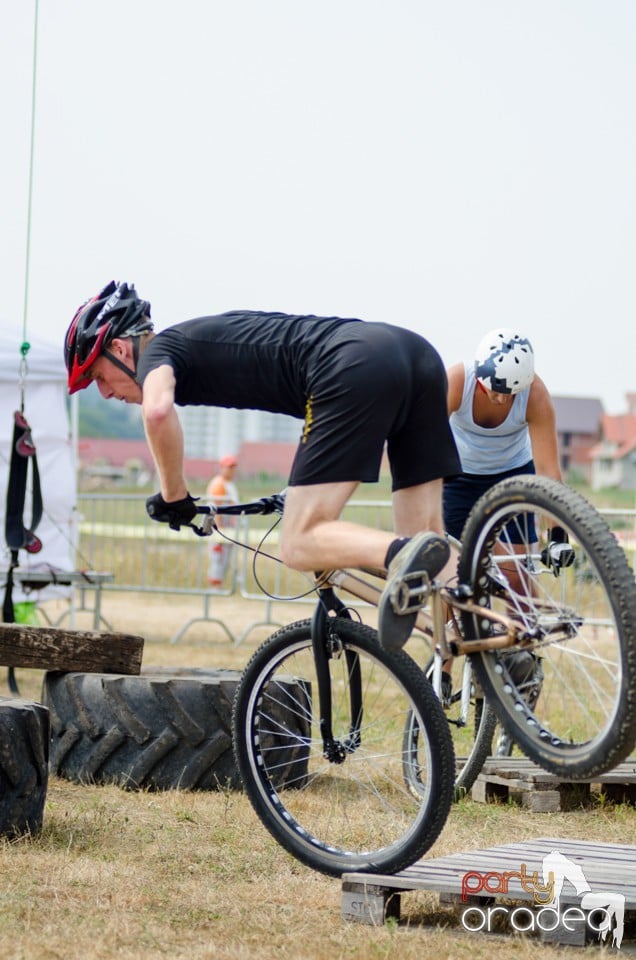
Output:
[[410, 593]]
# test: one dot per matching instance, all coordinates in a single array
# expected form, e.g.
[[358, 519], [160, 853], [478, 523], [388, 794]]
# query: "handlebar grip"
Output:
[[262, 507]]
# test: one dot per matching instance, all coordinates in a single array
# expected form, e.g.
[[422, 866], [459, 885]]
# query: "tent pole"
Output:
[[30, 194]]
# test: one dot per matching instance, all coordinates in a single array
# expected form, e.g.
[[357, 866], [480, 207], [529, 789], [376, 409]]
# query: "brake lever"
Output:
[[207, 528]]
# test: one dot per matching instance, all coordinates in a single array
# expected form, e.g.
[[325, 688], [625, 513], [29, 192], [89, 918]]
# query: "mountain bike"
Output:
[[344, 750]]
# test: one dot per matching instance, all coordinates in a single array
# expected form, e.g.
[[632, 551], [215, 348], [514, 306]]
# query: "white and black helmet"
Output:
[[504, 361]]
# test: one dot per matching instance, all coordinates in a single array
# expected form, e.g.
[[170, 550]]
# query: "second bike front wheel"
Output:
[[566, 692], [471, 721], [357, 812]]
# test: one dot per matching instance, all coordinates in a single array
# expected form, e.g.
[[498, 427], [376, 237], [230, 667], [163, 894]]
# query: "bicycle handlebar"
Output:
[[262, 507], [273, 504]]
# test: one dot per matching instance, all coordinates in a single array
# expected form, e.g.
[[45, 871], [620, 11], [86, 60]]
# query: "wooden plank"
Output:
[[48, 648], [520, 780], [525, 770], [538, 801], [607, 868], [507, 770]]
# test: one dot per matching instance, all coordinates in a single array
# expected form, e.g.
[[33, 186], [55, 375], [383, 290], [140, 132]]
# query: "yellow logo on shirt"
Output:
[[309, 419]]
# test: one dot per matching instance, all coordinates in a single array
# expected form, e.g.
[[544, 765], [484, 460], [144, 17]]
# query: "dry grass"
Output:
[[117, 874]]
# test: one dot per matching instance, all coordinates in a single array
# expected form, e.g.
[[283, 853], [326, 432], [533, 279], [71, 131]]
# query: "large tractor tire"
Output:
[[168, 728], [24, 766]]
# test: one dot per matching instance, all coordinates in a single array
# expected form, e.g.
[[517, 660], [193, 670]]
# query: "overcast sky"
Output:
[[449, 166]]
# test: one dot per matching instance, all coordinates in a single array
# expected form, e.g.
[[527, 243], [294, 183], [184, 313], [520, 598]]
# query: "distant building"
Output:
[[104, 462], [614, 457], [593, 446], [578, 429], [211, 432]]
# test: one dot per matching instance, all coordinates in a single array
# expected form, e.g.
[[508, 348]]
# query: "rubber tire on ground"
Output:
[[24, 766], [168, 728]]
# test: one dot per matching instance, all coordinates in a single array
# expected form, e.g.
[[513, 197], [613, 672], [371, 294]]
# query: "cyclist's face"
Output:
[[112, 381], [499, 399]]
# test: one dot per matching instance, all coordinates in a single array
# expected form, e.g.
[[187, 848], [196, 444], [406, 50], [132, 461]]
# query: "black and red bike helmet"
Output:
[[116, 311]]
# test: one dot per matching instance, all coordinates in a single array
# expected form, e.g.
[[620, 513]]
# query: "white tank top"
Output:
[[484, 450]]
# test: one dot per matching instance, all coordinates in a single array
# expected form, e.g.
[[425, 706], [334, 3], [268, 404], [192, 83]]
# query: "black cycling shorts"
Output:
[[462, 493], [373, 383]]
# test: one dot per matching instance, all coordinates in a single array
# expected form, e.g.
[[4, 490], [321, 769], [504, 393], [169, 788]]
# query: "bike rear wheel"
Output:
[[579, 622], [471, 721], [358, 814]]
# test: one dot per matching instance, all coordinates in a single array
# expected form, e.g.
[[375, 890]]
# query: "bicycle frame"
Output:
[[445, 638], [431, 623], [330, 605]]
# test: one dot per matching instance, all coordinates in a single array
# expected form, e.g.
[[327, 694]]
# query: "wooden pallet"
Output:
[[520, 780], [609, 869]]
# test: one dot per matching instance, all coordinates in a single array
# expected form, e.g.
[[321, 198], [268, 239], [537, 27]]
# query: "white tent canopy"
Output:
[[46, 410]]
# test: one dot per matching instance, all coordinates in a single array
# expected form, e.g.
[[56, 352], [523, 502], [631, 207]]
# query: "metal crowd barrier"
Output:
[[116, 535]]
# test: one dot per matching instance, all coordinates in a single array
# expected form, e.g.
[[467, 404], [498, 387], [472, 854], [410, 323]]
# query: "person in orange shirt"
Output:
[[222, 490]]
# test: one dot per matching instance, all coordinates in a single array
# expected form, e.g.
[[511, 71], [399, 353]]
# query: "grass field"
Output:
[[135, 875]]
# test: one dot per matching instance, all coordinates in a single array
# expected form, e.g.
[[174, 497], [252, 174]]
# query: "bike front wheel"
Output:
[[566, 692], [356, 812]]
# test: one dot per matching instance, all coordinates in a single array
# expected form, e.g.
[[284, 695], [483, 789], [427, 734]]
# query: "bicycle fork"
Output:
[[326, 646]]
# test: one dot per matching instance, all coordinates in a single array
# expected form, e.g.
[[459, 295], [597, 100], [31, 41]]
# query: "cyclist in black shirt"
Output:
[[355, 384]]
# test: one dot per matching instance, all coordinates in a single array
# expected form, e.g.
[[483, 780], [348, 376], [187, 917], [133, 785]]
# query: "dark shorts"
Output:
[[374, 383], [462, 492]]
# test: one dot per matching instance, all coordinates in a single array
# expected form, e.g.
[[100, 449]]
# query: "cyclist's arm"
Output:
[[163, 431], [456, 375], [543, 433]]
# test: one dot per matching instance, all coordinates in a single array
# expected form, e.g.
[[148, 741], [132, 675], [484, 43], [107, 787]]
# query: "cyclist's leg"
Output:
[[416, 508], [314, 538], [420, 508]]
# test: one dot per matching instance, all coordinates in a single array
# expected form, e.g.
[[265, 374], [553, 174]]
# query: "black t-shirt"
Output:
[[244, 359]]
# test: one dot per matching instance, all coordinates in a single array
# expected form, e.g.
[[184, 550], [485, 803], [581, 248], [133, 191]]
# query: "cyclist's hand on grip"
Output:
[[558, 553], [173, 512]]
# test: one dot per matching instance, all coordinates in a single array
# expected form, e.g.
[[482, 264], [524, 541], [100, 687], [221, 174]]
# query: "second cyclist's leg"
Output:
[[421, 452]]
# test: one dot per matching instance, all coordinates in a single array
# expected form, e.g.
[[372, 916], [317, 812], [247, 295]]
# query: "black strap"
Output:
[[8, 616], [8, 613], [17, 535]]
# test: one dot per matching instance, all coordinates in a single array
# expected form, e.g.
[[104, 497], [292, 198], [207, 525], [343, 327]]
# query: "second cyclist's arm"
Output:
[[456, 376], [543, 432], [163, 431]]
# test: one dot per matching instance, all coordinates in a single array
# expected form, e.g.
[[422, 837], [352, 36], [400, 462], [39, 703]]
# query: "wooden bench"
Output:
[[83, 580]]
